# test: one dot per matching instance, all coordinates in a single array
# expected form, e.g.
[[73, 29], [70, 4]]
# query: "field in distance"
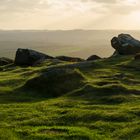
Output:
[[79, 43]]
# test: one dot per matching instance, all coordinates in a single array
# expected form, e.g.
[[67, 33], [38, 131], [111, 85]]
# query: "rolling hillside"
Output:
[[93, 100]]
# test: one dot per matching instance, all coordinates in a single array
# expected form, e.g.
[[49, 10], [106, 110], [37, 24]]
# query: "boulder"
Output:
[[29, 57], [5, 61], [125, 44], [137, 56], [93, 57], [48, 62], [69, 59], [115, 54]]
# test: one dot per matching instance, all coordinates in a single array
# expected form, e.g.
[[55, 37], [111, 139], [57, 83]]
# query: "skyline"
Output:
[[69, 15]]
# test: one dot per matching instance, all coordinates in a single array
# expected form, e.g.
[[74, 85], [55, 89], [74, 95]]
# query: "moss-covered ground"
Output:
[[95, 101]]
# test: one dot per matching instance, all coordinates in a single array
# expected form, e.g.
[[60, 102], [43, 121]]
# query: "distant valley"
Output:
[[81, 43]]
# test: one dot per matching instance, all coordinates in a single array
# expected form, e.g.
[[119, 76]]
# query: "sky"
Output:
[[70, 14]]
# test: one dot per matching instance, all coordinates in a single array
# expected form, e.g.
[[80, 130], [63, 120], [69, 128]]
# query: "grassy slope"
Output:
[[105, 106]]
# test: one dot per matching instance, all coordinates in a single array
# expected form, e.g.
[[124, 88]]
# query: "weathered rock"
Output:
[[30, 57], [49, 62], [5, 61], [137, 56], [93, 57], [80, 65], [125, 44], [116, 53], [69, 59]]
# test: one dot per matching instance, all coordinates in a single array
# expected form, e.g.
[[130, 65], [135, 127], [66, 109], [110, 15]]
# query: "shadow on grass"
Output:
[[19, 96], [108, 94]]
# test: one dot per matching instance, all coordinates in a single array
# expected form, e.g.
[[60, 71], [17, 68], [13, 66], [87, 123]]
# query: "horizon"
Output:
[[81, 43], [70, 29]]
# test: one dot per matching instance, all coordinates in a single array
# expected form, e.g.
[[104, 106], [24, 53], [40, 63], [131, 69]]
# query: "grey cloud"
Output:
[[20, 5]]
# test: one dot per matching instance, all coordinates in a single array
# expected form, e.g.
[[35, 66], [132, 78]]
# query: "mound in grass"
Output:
[[56, 82], [109, 94]]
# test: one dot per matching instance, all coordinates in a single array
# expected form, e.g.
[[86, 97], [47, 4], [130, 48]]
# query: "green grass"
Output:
[[62, 101]]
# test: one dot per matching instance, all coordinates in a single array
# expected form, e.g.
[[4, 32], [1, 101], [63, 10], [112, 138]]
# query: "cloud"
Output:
[[116, 6], [66, 13], [101, 1], [21, 5]]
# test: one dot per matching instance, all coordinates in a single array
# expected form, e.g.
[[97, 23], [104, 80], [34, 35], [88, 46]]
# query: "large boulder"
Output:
[[69, 59], [93, 57], [29, 57], [5, 61], [125, 44]]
